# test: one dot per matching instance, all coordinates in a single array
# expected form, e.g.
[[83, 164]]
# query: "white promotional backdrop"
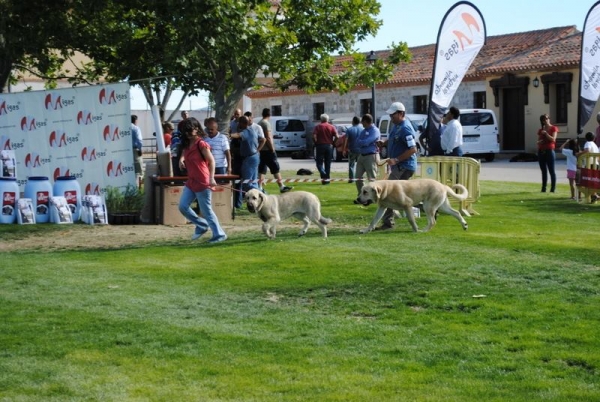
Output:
[[82, 132]]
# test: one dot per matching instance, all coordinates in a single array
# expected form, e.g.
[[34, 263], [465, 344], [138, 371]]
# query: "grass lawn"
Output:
[[506, 311]]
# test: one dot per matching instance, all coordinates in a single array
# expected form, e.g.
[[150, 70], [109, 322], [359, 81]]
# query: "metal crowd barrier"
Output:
[[588, 175], [452, 170]]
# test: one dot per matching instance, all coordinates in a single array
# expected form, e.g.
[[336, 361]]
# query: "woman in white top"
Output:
[[570, 150]]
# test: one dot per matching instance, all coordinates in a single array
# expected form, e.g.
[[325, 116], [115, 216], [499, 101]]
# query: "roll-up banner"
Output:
[[589, 67], [83, 132], [461, 35]]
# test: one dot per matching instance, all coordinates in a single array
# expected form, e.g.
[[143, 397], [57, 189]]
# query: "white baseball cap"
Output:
[[396, 107]]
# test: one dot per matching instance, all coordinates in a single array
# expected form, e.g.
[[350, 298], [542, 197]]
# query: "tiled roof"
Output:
[[544, 49]]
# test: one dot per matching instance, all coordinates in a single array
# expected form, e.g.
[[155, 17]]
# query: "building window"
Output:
[[365, 107], [560, 113], [479, 100], [420, 104], [318, 110], [276, 110]]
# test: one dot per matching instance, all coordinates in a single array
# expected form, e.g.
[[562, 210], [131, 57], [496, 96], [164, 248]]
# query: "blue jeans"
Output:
[[208, 219], [546, 160], [250, 171], [323, 159]]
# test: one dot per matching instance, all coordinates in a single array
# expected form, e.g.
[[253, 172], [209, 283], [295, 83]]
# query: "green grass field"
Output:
[[506, 311]]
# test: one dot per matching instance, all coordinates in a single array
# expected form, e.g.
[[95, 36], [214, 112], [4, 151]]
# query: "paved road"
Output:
[[499, 170]]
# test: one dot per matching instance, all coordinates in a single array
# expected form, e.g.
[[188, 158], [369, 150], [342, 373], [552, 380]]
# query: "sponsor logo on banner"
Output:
[[92, 189], [54, 101], [84, 117], [58, 138], [6, 108], [89, 154], [111, 133], [107, 96], [29, 123], [65, 171], [60, 172], [114, 169], [4, 142], [32, 160]]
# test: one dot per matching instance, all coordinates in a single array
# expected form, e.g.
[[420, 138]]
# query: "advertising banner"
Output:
[[589, 67], [461, 35], [81, 132]]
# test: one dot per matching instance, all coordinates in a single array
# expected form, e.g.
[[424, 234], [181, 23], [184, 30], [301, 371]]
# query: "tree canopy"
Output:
[[221, 46]]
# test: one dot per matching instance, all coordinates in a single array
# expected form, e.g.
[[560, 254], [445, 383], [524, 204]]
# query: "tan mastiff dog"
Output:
[[272, 209], [404, 194]]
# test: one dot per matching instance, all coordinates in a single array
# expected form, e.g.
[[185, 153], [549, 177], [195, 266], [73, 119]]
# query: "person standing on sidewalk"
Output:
[[351, 149], [268, 156], [368, 153], [324, 136], [452, 135], [546, 154], [402, 152]]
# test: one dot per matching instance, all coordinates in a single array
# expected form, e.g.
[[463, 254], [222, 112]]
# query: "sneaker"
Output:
[[594, 198], [197, 234], [385, 227], [285, 189], [217, 239]]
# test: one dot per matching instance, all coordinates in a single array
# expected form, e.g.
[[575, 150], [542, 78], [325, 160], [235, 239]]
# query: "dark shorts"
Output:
[[268, 160]]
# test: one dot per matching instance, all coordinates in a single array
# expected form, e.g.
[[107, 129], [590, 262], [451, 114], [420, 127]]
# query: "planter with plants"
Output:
[[124, 207]]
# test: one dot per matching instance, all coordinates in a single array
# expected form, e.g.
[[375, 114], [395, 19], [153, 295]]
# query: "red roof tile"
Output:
[[545, 49]]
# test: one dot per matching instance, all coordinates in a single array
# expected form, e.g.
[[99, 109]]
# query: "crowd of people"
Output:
[[248, 151]]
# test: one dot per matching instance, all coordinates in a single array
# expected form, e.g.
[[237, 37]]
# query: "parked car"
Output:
[[289, 133], [480, 133]]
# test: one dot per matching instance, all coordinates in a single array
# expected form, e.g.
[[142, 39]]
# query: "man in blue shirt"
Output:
[[368, 153], [136, 137], [402, 152], [351, 148]]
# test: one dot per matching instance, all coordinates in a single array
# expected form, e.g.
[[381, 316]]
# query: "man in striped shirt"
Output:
[[219, 146]]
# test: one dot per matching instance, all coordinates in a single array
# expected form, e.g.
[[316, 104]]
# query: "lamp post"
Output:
[[371, 59]]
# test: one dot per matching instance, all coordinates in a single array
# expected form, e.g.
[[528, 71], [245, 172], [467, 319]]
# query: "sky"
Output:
[[417, 22]]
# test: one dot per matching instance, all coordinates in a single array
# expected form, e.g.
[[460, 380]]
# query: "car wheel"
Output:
[[337, 156], [489, 157], [383, 152]]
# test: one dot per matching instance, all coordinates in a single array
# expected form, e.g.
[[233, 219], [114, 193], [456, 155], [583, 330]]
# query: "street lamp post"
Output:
[[371, 59]]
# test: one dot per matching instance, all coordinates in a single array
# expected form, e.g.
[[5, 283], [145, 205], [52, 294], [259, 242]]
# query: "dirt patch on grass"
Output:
[[80, 236]]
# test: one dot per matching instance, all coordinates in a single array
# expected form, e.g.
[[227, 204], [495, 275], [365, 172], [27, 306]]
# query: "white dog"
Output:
[[271, 209], [404, 194]]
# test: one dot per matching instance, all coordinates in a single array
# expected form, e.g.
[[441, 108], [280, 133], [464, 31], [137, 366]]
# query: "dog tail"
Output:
[[464, 193], [324, 220]]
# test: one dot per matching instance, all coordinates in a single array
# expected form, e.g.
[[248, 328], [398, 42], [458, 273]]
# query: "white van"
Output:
[[385, 126], [289, 133], [480, 132]]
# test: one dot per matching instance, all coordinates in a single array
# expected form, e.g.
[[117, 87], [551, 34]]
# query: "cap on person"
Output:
[[396, 107]]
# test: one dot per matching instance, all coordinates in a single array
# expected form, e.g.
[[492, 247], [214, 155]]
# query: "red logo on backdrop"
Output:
[[32, 160], [3, 109], [114, 169], [107, 97], [9, 198], [4, 142], [84, 117], [28, 123], [92, 189], [111, 133], [58, 139], [88, 154], [42, 197], [59, 172], [471, 23], [52, 102]]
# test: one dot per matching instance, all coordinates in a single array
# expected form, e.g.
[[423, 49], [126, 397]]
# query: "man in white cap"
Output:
[[402, 152]]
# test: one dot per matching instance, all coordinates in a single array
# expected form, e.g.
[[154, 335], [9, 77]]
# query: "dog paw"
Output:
[[364, 231]]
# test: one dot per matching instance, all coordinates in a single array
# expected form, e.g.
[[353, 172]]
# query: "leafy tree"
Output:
[[33, 40]]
